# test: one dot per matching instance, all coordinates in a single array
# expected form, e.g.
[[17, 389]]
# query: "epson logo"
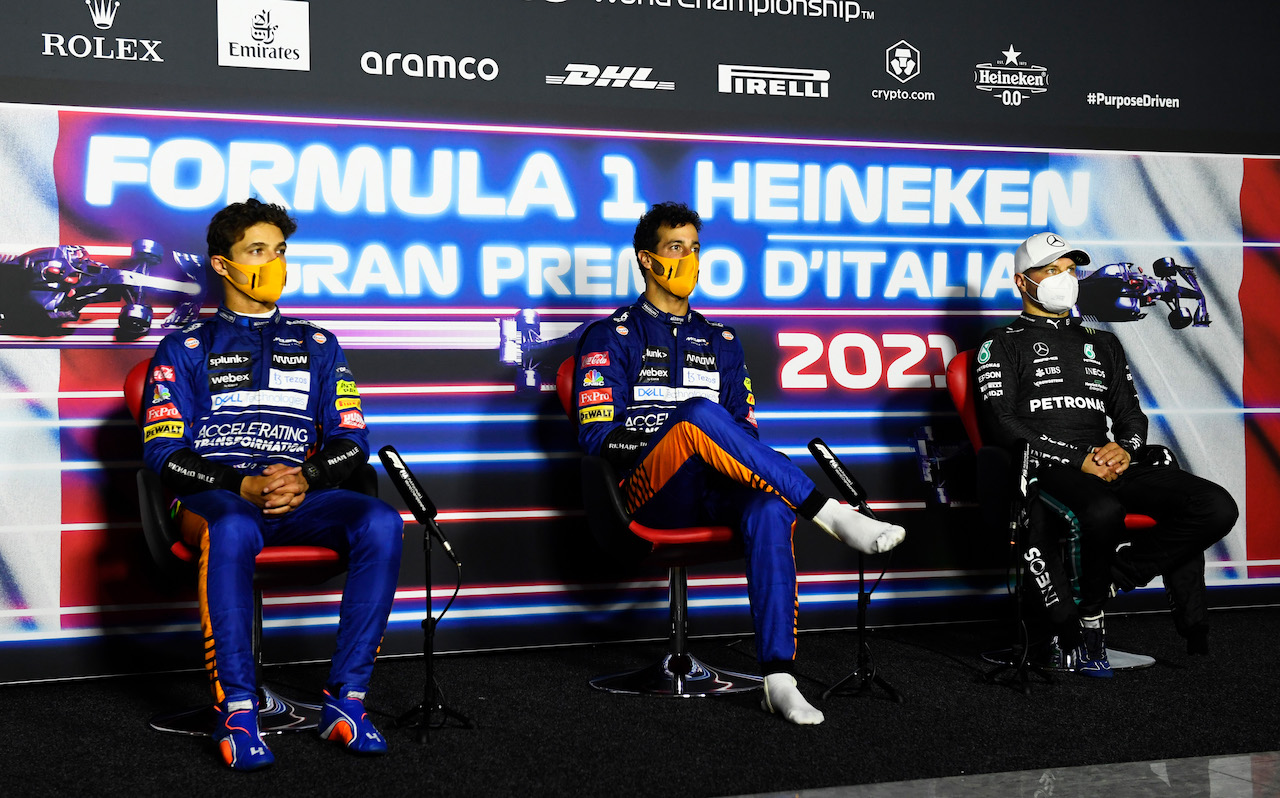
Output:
[[773, 81], [617, 77], [103, 15], [445, 67], [225, 360]]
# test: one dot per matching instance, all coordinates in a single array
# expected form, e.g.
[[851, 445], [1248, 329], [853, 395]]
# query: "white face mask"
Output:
[[1056, 293]]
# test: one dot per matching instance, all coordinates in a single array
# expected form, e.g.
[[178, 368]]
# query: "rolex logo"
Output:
[[103, 12]]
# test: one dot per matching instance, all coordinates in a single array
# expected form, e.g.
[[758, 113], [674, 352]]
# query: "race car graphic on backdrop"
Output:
[[1122, 291], [46, 288]]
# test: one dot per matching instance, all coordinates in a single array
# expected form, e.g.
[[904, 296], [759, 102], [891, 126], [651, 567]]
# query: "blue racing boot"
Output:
[[344, 719], [236, 733], [1091, 655]]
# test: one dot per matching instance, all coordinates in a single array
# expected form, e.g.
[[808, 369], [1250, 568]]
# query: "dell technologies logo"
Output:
[[102, 13], [773, 81], [614, 76], [264, 34]]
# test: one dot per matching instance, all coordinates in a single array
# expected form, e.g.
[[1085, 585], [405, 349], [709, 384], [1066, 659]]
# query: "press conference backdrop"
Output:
[[466, 178]]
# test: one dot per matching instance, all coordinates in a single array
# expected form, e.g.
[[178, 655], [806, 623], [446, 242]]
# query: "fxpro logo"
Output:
[[773, 81], [1012, 81], [446, 67], [617, 77], [264, 34], [102, 13]]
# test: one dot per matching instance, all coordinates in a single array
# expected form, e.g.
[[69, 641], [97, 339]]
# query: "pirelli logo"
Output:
[[347, 403], [347, 388], [598, 413], [167, 429]]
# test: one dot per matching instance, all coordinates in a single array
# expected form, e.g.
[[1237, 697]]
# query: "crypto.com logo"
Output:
[[615, 76], [902, 61]]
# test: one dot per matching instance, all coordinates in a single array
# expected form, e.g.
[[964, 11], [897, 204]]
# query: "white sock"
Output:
[[854, 529], [781, 696]]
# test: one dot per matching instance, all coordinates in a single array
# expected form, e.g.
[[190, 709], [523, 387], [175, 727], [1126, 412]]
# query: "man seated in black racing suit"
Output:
[[1048, 380], [663, 394], [253, 420]]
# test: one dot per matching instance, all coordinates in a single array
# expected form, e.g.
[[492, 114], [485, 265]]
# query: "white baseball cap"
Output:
[[1044, 248]]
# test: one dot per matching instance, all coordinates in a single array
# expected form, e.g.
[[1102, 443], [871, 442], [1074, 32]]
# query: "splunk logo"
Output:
[[264, 34], [446, 67], [773, 81], [102, 13]]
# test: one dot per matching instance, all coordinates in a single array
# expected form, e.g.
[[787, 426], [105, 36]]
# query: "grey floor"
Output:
[[1242, 776]]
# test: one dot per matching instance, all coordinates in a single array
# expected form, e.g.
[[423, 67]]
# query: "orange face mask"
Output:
[[677, 275], [266, 281]]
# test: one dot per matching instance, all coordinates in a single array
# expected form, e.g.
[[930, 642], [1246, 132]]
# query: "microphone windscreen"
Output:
[[406, 485]]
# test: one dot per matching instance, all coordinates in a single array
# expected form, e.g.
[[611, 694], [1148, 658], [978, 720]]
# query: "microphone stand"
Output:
[[420, 717], [864, 674]]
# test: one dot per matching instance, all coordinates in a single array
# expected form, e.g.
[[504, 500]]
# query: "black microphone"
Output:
[[843, 479], [414, 496]]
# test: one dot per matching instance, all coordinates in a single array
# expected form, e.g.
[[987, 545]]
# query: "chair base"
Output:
[[676, 676], [1120, 660], [276, 715]]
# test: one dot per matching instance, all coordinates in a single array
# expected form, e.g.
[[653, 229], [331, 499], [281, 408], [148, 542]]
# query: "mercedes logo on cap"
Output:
[[1054, 241]]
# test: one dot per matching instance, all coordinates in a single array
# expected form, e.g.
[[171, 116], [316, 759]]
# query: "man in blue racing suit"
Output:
[[253, 420], [1060, 386], [663, 394]]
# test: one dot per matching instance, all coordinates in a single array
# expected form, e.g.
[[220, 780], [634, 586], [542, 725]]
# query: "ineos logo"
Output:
[[1040, 348]]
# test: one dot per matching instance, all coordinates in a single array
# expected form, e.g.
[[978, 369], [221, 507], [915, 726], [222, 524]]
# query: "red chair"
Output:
[[678, 674], [276, 566], [995, 485]]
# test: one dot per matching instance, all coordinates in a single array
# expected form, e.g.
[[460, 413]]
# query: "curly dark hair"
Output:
[[672, 214], [228, 225]]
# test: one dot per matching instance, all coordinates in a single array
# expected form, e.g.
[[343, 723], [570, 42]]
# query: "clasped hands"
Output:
[[280, 489], [1107, 462]]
